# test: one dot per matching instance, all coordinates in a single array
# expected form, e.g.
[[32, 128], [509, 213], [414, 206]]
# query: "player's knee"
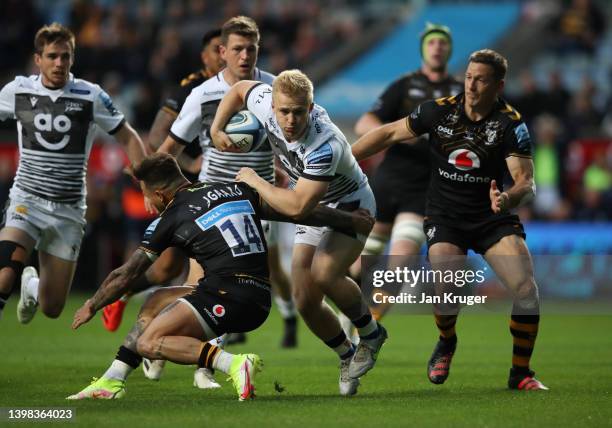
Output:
[[304, 302], [12, 258], [51, 309], [324, 278], [527, 289]]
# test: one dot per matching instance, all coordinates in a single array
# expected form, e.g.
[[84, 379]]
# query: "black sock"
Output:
[[129, 357], [3, 299]]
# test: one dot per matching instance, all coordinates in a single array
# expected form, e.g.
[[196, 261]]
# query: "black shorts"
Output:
[[394, 197], [230, 304], [478, 235]]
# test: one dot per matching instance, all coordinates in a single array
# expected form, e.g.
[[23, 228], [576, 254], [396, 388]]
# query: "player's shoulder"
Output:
[[264, 76], [211, 89], [83, 88], [23, 83], [508, 113], [193, 79]]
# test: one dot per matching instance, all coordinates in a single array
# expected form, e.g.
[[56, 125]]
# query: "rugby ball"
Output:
[[245, 131]]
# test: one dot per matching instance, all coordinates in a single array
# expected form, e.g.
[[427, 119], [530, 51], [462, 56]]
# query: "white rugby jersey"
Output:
[[195, 120], [56, 128], [322, 154]]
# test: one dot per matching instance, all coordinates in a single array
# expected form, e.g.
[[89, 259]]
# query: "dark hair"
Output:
[[492, 58], [50, 34], [158, 171], [209, 36], [241, 25]]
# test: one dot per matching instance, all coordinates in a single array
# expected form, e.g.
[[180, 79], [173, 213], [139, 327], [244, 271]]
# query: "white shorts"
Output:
[[312, 235], [57, 228], [270, 229]]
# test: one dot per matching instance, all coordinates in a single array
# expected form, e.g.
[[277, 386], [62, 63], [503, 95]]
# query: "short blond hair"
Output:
[[295, 84]]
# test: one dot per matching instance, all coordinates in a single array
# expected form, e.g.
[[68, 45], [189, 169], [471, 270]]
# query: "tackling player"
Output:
[[474, 138], [57, 117], [239, 49], [219, 225], [318, 160]]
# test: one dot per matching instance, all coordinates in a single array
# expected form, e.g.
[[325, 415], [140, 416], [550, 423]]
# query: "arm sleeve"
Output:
[[188, 124], [7, 101], [106, 115], [387, 105], [156, 238], [517, 141], [258, 101], [321, 163], [422, 118]]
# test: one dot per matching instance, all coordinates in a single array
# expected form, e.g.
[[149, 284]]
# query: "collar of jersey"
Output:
[[461, 104], [54, 93]]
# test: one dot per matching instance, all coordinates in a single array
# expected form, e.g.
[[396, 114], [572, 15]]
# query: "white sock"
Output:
[[285, 307], [118, 370], [218, 342], [223, 361], [32, 288]]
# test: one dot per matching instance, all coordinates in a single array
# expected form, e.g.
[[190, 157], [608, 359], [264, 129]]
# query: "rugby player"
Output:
[[474, 137], [57, 117], [321, 168], [219, 225], [400, 181], [239, 49], [171, 264]]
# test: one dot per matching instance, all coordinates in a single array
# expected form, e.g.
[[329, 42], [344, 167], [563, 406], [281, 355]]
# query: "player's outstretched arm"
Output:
[[366, 123], [113, 287], [381, 138], [231, 103], [359, 221], [130, 140], [523, 190]]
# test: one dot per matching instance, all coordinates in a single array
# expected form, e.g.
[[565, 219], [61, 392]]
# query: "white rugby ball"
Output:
[[245, 131]]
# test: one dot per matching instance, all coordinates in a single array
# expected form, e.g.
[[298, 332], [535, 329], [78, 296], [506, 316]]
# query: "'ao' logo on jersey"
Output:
[[464, 160], [47, 123]]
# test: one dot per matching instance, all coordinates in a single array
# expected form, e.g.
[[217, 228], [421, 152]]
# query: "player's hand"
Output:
[[83, 315], [248, 176], [149, 206], [363, 222], [499, 200], [222, 142]]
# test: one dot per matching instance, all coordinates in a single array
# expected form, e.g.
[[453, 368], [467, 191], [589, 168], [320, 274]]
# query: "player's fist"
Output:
[[499, 199], [83, 314]]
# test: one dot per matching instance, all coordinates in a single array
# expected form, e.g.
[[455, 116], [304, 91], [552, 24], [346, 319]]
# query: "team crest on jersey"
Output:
[[491, 132], [464, 159], [431, 232]]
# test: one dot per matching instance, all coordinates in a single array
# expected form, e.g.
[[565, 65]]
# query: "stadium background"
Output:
[[560, 78]]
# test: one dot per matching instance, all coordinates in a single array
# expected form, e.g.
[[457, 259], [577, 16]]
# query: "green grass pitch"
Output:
[[45, 361]]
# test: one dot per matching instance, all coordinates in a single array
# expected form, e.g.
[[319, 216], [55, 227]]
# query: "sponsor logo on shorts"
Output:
[[218, 310], [300, 230], [464, 159], [21, 209]]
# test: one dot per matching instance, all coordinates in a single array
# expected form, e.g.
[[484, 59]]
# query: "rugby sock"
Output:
[[446, 326], [524, 329], [222, 361], [32, 288], [3, 299], [341, 346], [123, 364], [285, 307], [208, 352], [362, 319]]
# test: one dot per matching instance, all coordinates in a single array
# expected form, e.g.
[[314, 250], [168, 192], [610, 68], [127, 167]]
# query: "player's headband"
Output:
[[433, 31]]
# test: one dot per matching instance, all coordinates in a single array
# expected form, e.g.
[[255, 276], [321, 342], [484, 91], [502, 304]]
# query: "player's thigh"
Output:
[[407, 236], [177, 319], [335, 254], [196, 272], [56, 276], [511, 261], [161, 298]]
